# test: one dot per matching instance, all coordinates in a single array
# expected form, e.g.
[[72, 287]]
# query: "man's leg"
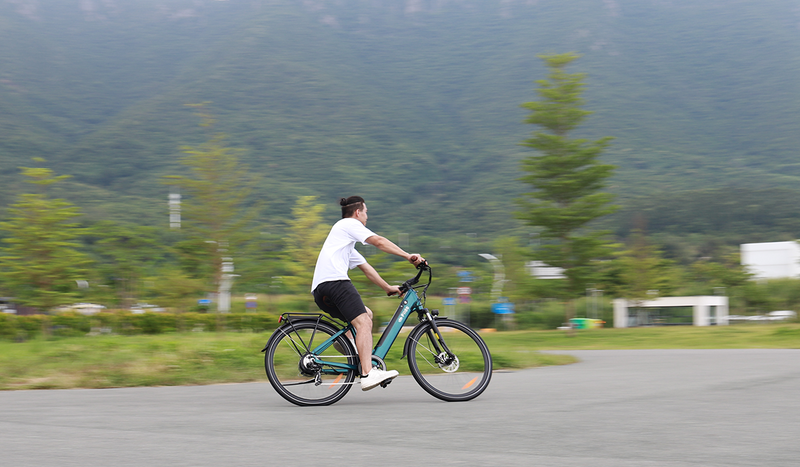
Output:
[[363, 325], [349, 335], [344, 297]]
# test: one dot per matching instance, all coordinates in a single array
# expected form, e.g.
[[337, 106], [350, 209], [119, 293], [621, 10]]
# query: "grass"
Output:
[[226, 357], [742, 336]]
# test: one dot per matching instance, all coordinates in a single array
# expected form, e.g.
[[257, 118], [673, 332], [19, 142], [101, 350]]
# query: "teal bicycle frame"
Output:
[[304, 369], [411, 303]]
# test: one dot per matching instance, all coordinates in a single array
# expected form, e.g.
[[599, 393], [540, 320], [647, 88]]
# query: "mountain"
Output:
[[414, 104]]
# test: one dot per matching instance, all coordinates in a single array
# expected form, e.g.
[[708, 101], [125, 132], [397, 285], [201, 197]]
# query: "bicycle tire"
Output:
[[283, 362], [460, 380]]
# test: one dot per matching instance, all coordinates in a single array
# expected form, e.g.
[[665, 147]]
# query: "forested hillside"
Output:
[[413, 104]]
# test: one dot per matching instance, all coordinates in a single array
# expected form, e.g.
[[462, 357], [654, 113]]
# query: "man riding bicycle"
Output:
[[335, 294]]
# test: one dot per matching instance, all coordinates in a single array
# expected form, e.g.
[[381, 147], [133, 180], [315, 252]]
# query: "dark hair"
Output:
[[351, 205]]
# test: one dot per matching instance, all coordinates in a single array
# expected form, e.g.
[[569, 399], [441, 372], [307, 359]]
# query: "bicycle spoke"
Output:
[[461, 374], [292, 344], [302, 377], [422, 354]]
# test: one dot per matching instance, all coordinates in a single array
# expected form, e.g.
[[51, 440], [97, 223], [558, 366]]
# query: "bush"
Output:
[[481, 316], [69, 324], [198, 322], [544, 319], [156, 323], [20, 328], [8, 326], [253, 322], [547, 314], [31, 325]]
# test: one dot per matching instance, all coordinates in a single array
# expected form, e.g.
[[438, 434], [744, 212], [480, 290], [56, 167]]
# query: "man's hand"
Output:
[[416, 259], [393, 290]]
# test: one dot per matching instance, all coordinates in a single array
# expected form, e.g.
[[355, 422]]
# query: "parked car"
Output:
[[7, 306], [780, 315], [140, 308], [82, 308]]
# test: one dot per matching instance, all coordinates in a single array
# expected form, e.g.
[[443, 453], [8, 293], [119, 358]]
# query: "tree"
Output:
[[175, 289], [303, 241], [728, 273], [125, 254], [643, 273], [567, 178], [41, 262], [517, 279], [215, 211]]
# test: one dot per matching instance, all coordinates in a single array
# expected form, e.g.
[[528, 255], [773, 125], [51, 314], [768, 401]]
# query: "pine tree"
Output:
[[566, 178]]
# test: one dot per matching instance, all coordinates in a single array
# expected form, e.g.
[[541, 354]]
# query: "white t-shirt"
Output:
[[338, 254]]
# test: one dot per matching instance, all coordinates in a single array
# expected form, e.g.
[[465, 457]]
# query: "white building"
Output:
[[772, 260], [704, 310], [540, 270]]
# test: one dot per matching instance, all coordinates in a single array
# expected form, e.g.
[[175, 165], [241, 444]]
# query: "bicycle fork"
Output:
[[444, 356]]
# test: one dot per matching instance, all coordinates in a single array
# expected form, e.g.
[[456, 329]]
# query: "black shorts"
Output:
[[339, 299]]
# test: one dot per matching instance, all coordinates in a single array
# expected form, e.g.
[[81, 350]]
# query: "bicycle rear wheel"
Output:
[[459, 375], [292, 369]]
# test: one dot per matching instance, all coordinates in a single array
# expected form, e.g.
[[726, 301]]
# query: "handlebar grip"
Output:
[[423, 266]]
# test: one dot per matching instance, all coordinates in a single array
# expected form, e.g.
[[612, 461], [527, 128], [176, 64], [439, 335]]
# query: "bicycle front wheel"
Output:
[[294, 371], [454, 366]]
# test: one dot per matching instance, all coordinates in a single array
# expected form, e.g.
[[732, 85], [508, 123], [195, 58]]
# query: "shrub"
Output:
[[31, 325], [156, 323], [8, 326], [198, 322], [69, 324], [254, 322], [542, 315]]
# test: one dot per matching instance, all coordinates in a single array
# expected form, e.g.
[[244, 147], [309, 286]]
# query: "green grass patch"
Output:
[[741, 336], [231, 357]]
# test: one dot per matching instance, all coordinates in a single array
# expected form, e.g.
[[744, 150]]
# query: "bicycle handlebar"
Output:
[[422, 267]]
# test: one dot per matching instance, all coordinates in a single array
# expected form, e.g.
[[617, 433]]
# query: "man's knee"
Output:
[[363, 320]]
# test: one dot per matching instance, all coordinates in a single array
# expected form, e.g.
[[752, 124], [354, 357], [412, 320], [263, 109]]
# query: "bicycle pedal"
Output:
[[386, 383]]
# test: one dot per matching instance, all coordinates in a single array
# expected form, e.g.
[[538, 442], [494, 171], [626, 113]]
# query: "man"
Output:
[[335, 294]]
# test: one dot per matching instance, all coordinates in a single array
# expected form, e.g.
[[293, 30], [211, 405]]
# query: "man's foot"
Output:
[[376, 377]]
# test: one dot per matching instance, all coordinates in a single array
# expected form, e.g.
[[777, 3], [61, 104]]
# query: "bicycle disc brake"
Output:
[[447, 363]]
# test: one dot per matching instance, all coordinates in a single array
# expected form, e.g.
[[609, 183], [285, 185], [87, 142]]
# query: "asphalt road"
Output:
[[614, 409]]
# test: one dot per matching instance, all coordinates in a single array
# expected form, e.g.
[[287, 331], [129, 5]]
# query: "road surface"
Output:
[[639, 408]]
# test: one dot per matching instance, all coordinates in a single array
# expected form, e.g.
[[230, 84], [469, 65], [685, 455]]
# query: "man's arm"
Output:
[[386, 246], [376, 279]]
